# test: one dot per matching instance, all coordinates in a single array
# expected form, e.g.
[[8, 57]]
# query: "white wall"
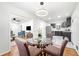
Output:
[[15, 28], [36, 26], [27, 23], [17, 12], [39, 26], [4, 29], [75, 26]]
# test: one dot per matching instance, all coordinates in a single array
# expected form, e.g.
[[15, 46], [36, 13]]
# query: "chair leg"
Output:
[[44, 54]]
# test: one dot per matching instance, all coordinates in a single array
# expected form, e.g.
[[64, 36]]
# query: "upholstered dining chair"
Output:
[[49, 35], [55, 51], [24, 50], [29, 35]]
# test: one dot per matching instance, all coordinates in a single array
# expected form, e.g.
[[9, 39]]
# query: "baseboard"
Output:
[[77, 51], [74, 47], [2, 54], [5, 52]]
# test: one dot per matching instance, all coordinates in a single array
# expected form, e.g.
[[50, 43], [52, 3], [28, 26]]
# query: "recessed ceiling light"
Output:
[[49, 18], [58, 16]]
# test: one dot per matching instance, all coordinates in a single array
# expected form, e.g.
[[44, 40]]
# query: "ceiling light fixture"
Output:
[[41, 3], [41, 12], [16, 20]]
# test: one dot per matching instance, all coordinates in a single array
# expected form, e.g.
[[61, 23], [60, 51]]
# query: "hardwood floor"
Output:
[[15, 52], [67, 52], [70, 52]]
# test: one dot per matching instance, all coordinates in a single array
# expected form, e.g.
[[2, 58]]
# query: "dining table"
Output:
[[40, 43]]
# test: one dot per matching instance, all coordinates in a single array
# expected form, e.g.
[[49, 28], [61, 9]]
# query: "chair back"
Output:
[[29, 35], [49, 35], [63, 46], [23, 49]]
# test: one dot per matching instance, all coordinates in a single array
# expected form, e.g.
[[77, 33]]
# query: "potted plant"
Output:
[[39, 35]]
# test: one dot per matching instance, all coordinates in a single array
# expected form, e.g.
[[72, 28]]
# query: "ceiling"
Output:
[[57, 11]]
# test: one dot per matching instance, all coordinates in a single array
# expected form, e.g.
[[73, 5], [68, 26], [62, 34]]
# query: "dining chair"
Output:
[[29, 35], [55, 51], [25, 50], [49, 35]]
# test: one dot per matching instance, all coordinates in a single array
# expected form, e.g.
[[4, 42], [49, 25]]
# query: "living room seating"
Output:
[[55, 51], [21, 34], [25, 50]]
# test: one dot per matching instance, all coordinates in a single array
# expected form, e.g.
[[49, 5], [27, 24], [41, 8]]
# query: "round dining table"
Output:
[[40, 43]]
